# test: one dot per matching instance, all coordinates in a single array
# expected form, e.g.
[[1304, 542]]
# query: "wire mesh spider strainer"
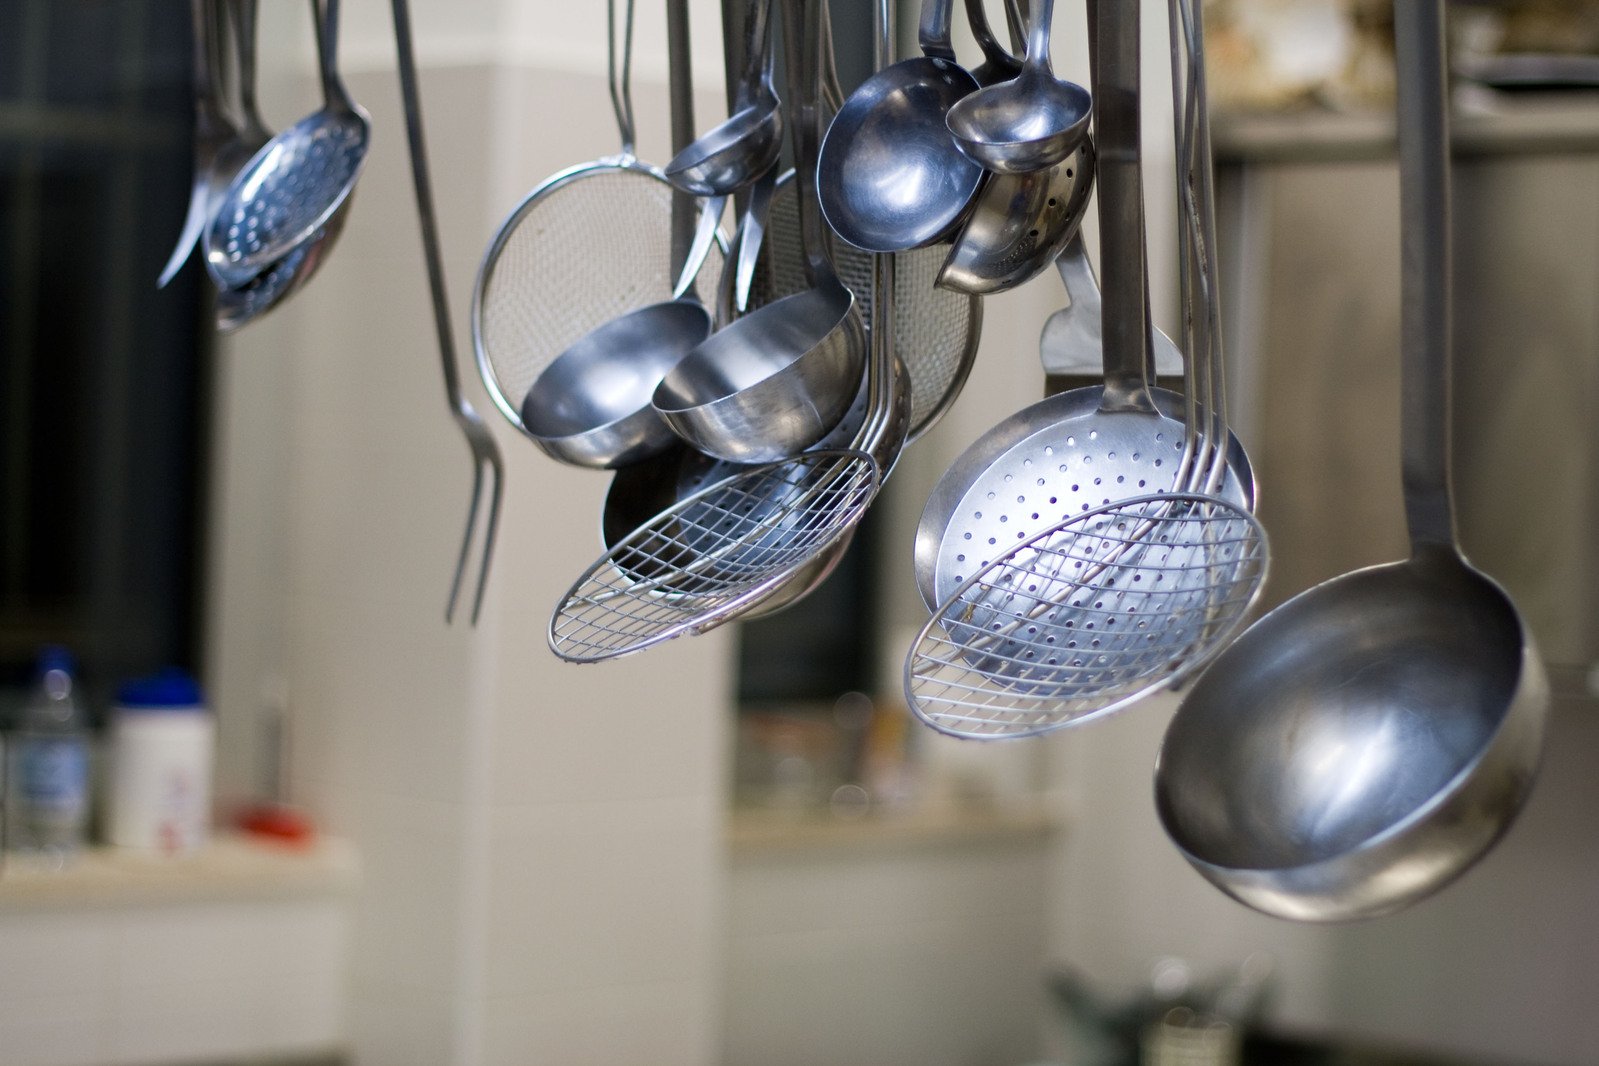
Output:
[[586, 246], [1078, 620]]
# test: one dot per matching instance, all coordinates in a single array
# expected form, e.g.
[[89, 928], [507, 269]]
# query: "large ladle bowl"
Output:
[[1366, 742], [890, 178], [1029, 123]]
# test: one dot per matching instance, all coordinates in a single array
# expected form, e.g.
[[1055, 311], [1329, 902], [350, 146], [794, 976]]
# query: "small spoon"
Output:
[[1029, 123], [293, 185]]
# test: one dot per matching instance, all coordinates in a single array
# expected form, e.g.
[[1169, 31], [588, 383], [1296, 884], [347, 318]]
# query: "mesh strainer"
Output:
[[588, 245]]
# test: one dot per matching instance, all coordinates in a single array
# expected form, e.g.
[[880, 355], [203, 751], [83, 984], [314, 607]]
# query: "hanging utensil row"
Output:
[[753, 395]]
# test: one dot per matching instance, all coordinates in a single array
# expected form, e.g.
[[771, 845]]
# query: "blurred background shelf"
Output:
[[231, 869]]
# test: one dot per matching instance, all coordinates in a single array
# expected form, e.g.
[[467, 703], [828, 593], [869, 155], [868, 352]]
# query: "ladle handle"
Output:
[[208, 109], [680, 93], [1125, 323], [1038, 34], [620, 74], [333, 91], [933, 32], [1424, 246], [244, 12], [802, 45], [757, 54], [977, 19]]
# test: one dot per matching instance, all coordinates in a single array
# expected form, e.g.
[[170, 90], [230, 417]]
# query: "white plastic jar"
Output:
[[162, 746]]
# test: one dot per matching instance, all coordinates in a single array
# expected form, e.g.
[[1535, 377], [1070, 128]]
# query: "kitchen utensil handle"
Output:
[[756, 30], [1424, 244], [1037, 59], [680, 90], [485, 452], [933, 33], [803, 49], [620, 74], [1125, 323]]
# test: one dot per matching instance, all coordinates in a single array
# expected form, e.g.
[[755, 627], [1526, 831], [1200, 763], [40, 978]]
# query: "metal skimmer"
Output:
[[1104, 607], [1077, 621]]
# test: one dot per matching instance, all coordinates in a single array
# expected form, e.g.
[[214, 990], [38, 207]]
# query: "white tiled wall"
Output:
[[161, 985], [921, 956], [540, 842]]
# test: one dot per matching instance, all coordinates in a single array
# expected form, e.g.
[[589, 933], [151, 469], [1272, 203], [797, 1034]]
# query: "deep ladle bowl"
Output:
[[733, 153], [591, 405], [889, 177], [772, 383], [1362, 745], [1029, 123]]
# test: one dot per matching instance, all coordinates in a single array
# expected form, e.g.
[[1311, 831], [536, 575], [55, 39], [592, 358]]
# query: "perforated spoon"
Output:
[[293, 185]]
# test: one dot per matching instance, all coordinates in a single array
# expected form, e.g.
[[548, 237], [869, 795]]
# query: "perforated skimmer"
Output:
[[1099, 608], [586, 246], [290, 190]]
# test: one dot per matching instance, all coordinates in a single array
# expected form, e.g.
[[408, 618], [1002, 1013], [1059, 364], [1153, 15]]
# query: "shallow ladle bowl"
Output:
[[1029, 123], [732, 154], [591, 405]]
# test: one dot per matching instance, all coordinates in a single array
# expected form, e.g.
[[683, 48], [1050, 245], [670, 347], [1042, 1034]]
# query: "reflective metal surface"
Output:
[[998, 65], [237, 308], [1087, 617], [768, 386], [294, 184], [745, 145], [1365, 743], [591, 406], [890, 177], [1071, 342], [772, 383], [1019, 225], [1061, 456], [1029, 123]]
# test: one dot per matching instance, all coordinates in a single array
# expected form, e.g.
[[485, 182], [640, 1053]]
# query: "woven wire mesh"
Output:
[[588, 246], [710, 557], [934, 329], [1087, 616]]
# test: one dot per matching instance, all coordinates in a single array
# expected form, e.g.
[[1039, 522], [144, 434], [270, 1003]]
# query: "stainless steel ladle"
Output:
[[1029, 123], [294, 184], [1366, 742], [890, 178], [774, 382]]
